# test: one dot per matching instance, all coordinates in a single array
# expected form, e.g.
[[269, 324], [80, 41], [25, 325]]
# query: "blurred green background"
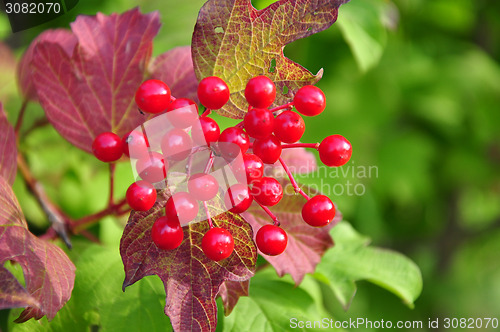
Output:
[[415, 86]]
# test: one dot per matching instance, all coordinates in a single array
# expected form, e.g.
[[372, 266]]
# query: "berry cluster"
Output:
[[204, 164]]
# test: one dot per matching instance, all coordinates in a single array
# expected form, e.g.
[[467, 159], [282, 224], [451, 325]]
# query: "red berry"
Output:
[[182, 112], [167, 233], [309, 100], [259, 122], [152, 167], [213, 92], [335, 150], [254, 167], [232, 141], [107, 147], [268, 149], [135, 144], [267, 191], [237, 198], [141, 195], [203, 187], [260, 92], [153, 96], [318, 211], [176, 144], [289, 127], [205, 131], [271, 240], [217, 244], [182, 206]]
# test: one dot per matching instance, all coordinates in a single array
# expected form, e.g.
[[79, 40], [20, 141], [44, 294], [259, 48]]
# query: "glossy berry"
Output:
[[260, 92], [335, 151], [232, 141], [141, 195], [152, 167], [267, 149], [237, 198], [153, 96], [135, 144], [217, 244], [206, 131], [309, 100], [318, 211], [267, 191], [254, 167], [176, 144], [259, 122], [107, 147], [182, 112], [183, 206], [289, 127], [271, 240], [167, 233], [203, 187], [213, 92]]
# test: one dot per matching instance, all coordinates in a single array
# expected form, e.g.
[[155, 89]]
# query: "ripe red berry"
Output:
[[318, 211], [135, 144], [213, 92], [237, 198], [268, 149], [176, 144], [260, 92], [271, 240], [335, 150], [141, 195], [289, 127], [254, 167], [107, 147], [309, 100], [232, 141], [259, 122], [182, 112], [203, 187], [267, 191], [205, 131], [153, 96], [217, 244], [167, 233], [152, 167], [182, 206]]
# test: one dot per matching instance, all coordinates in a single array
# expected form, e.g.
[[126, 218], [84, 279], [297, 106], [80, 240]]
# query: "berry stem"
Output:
[[300, 145], [205, 205], [292, 179], [79, 224], [287, 106], [20, 117], [112, 168], [207, 112], [210, 162], [270, 214]]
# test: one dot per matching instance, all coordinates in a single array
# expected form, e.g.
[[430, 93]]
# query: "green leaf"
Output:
[[352, 259]]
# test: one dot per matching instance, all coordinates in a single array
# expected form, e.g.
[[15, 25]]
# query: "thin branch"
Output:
[[295, 185], [20, 117]]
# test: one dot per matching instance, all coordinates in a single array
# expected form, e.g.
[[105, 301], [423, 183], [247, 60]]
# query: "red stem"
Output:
[[292, 179], [20, 117], [300, 145], [79, 224], [270, 214], [287, 106], [112, 168], [208, 215], [207, 112]]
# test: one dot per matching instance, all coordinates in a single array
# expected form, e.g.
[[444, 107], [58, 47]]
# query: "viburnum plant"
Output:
[[205, 200]]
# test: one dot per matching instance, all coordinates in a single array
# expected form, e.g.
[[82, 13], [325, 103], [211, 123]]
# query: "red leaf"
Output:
[[8, 149], [48, 272], [235, 41], [306, 244], [230, 292], [175, 68], [92, 91], [12, 294], [191, 280]]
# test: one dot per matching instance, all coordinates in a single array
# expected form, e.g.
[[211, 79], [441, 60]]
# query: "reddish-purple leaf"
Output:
[[230, 292], [175, 68], [48, 272], [306, 244], [12, 293], [235, 41], [8, 149], [92, 91], [62, 37], [191, 280]]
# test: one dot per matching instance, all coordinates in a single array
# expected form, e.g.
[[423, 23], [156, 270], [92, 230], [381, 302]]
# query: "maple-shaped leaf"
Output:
[[230, 292], [8, 149], [306, 244], [191, 280], [48, 272], [236, 42]]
